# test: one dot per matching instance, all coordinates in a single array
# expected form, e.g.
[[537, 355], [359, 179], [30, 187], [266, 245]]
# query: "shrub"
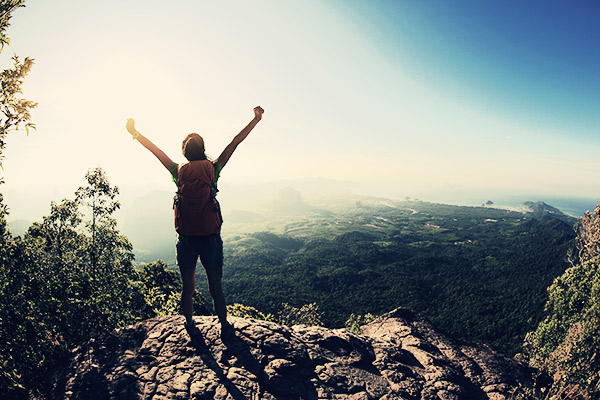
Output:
[[242, 311], [355, 322], [308, 314], [566, 343]]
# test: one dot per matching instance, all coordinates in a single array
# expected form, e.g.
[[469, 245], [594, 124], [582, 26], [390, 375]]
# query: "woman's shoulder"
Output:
[[199, 165]]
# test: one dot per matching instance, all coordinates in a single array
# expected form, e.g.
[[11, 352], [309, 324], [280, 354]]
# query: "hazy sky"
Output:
[[405, 97]]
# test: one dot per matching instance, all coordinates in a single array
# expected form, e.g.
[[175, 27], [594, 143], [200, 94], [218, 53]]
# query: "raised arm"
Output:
[[239, 138], [162, 157]]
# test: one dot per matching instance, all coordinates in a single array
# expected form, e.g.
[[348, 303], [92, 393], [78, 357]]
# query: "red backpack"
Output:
[[197, 211]]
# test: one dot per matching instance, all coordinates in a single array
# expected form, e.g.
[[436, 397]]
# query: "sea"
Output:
[[573, 206]]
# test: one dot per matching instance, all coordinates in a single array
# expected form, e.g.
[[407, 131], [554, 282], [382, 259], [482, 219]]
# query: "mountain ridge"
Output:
[[546, 212]]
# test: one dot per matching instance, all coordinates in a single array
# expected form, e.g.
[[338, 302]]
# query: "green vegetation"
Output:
[[566, 342], [71, 278], [161, 288], [308, 314], [356, 322], [15, 111], [242, 311], [479, 273]]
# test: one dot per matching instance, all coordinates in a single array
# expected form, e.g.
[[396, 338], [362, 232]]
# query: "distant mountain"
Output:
[[289, 201], [260, 197], [545, 212]]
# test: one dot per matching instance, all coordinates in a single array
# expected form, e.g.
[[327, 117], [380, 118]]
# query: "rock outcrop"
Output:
[[398, 356]]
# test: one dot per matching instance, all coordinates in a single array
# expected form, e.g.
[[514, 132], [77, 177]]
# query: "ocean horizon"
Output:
[[573, 206]]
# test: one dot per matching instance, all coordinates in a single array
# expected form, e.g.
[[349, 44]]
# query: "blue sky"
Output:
[[395, 97], [533, 61]]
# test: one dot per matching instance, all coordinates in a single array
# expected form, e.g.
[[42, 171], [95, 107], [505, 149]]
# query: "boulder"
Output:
[[398, 356]]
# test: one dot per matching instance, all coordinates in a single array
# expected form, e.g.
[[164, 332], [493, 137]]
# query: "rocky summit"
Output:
[[398, 356]]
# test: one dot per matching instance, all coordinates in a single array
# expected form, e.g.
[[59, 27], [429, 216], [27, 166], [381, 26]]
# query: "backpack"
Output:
[[197, 211]]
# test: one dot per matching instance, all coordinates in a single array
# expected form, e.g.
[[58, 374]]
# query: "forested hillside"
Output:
[[479, 273]]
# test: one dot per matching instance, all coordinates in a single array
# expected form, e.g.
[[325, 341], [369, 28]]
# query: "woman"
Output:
[[198, 217]]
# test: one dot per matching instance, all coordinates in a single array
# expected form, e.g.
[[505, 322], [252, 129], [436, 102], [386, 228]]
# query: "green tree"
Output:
[[38, 307], [14, 113], [106, 274], [100, 199], [69, 278], [14, 110], [36, 296], [162, 291], [161, 286], [566, 343]]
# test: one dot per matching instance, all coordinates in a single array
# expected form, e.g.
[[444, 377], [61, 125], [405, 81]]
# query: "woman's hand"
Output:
[[131, 128], [258, 112]]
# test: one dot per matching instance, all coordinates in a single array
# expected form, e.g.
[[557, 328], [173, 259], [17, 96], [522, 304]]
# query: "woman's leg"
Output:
[[216, 291], [187, 257], [188, 279]]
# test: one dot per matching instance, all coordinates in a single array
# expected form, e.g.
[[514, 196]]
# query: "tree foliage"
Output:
[[65, 281], [356, 321], [482, 276], [70, 278], [308, 314], [243, 311], [162, 291], [566, 343], [14, 110], [14, 113]]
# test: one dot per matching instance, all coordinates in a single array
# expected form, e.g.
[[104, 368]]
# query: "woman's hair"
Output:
[[193, 147]]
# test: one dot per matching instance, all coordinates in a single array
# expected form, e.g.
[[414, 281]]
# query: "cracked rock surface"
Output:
[[398, 356]]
